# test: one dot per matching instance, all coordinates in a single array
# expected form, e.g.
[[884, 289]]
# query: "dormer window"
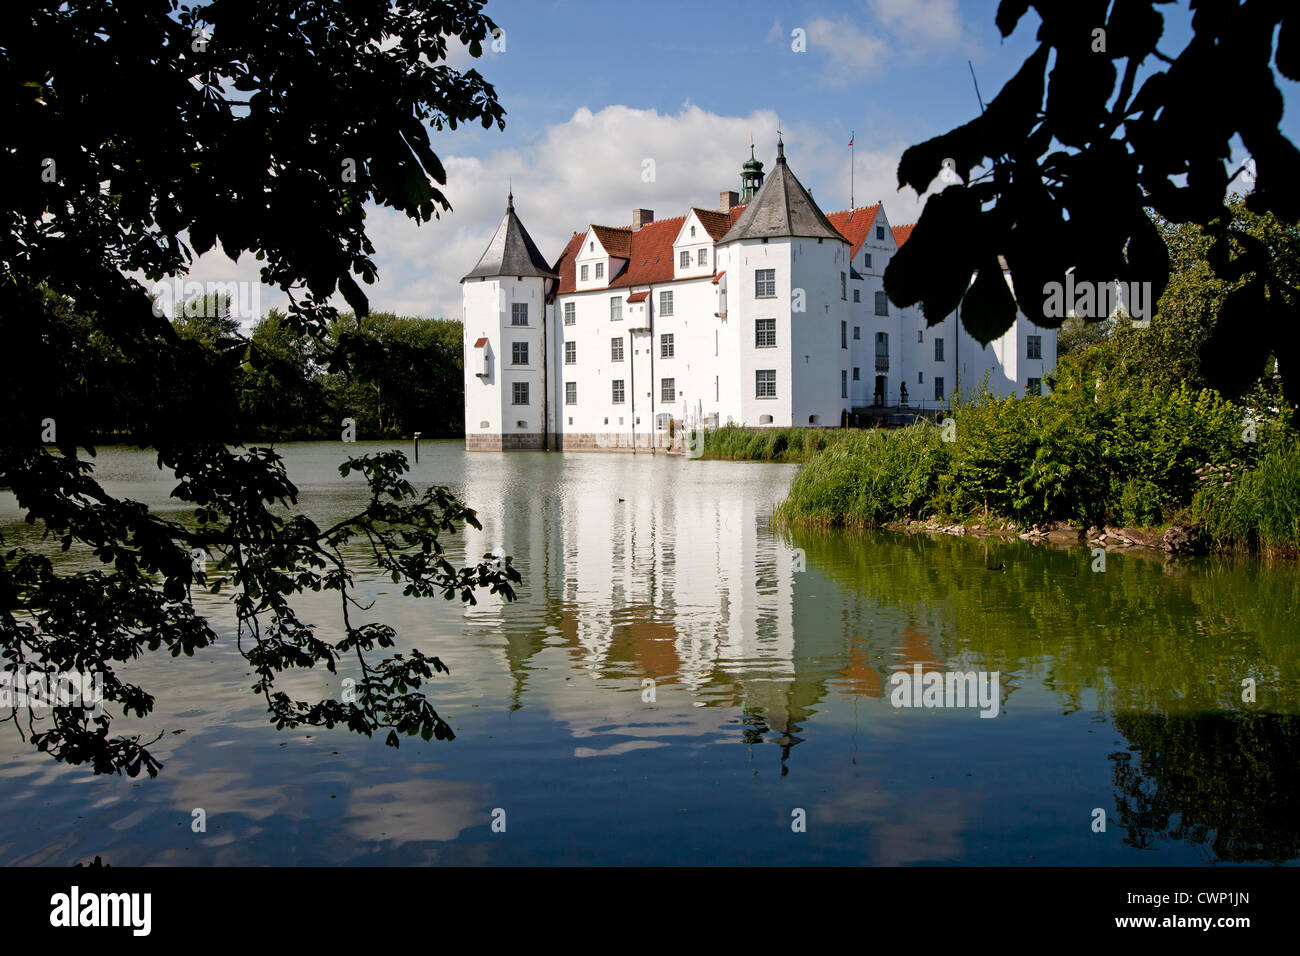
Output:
[[692, 232], [600, 270], [702, 259], [591, 247], [685, 259], [867, 260], [584, 273], [880, 233]]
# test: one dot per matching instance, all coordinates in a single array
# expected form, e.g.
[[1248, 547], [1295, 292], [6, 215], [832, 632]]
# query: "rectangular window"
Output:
[[616, 308], [920, 378], [661, 422], [920, 335], [882, 303], [844, 285], [1035, 346], [938, 388], [857, 295], [1034, 387], [570, 313], [518, 353], [764, 283], [519, 313], [880, 233], [616, 350], [584, 273], [668, 390], [520, 393], [857, 331], [665, 303], [857, 377], [765, 383], [764, 333], [570, 352], [600, 270], [666, 345], [938, 350], [702, 257], [570, 394], [684, 259], [844, 335], [866, 260], [617, 388], [844, 383]]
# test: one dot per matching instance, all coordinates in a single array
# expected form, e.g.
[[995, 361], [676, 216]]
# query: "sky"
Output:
[[593, 91]]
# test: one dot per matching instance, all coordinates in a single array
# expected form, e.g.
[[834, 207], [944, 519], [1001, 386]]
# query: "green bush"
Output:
[[1097, 450], [868, 478]]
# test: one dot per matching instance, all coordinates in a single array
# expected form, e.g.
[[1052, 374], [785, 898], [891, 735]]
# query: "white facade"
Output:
[[701, 318]]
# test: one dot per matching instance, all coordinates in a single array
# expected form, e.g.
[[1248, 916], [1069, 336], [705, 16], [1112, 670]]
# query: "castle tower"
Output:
[[505, 325], [787, 269]]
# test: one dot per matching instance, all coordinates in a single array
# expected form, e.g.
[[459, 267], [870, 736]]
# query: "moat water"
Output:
[[682, 682]]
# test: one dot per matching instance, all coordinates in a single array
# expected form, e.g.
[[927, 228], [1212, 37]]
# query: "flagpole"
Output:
[[853, 138]]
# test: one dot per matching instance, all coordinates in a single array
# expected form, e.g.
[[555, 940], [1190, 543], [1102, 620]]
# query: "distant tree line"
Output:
[[392, 375]]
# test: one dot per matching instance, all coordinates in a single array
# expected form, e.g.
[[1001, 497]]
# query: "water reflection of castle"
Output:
[[666, 573]]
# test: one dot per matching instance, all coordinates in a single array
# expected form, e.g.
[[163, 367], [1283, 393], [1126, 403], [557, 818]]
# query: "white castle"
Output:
[[762, 312]]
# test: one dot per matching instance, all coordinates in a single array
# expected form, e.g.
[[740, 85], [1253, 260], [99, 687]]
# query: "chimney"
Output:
[[642, 217], [728, 199]]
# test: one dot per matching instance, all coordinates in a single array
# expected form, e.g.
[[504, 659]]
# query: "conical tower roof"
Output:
[[781, 208], [512, 251]]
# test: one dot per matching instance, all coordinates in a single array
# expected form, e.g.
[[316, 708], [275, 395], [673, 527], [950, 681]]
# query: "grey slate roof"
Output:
[[781, 208], [511, 252]]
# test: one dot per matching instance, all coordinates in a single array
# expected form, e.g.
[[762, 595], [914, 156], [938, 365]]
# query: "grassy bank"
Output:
[[1115, 455], [735, 443], [1256, 509]]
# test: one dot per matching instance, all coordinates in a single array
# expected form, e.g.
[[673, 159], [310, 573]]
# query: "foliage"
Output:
[[868, 478], [1097, 450], [403, 375], [1254, 509], [1084, 140], [245, 141]]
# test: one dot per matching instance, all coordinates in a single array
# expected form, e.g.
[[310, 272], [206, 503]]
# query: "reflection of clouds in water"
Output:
[[919, 827], [418, 810]]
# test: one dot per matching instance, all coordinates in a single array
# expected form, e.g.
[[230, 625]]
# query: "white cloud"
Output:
[[851, 53], [589, 169], [850, 49], [923, 22]]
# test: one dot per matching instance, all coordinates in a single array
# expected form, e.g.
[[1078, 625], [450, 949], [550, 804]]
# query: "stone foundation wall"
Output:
[[519, 441], [611, 441], [573, 441]]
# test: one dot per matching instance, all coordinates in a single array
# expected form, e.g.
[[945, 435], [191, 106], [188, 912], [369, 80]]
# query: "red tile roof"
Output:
[[637, 297], [480, 343], [719, 276], [903, 233], [715, 223], [854, 224], [649, 250], [617, 241]]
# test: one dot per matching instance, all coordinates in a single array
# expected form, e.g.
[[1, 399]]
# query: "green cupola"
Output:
[[751, 176]]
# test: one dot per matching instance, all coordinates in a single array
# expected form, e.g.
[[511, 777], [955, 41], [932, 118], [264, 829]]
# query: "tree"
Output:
[[1077, 335], [1167, 354], [405, 374], [138, 135], [1080, 153]]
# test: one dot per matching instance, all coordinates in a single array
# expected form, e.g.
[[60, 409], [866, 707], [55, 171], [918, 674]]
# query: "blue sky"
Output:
[[594, 90]]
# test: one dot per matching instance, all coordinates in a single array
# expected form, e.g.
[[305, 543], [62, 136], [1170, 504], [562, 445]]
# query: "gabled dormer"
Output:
[[603, 256], [693, 249]]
